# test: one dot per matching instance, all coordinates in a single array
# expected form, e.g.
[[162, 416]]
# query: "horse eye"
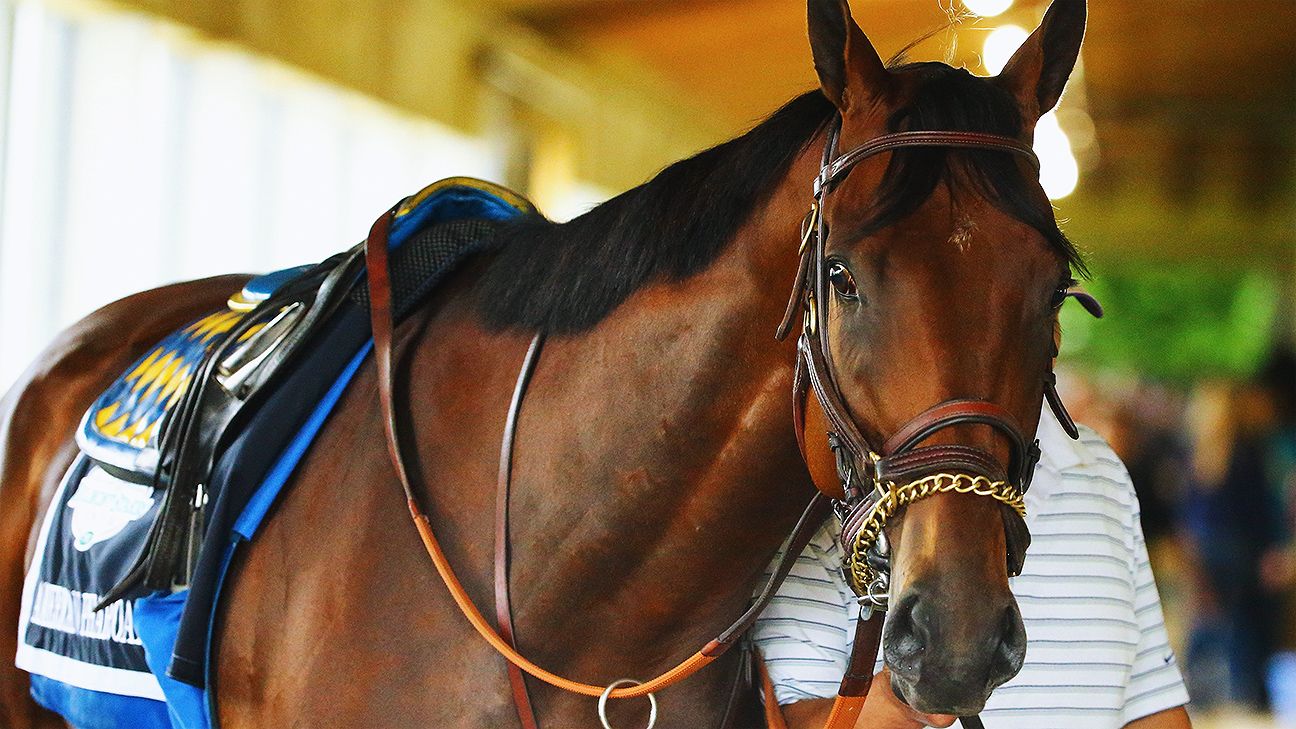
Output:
[[842, 281], [1061, 292]]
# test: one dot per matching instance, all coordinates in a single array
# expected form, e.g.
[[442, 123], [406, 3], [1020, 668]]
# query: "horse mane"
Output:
[[564, 278]]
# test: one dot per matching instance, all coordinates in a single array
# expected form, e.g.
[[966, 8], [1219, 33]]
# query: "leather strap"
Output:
[[503, 605], [381, 320], [738, 706], [858, 679], [845, 713], [809, 227], [921, 462], [859, 671], [800, 392], [961, 412], [833, 172], [950, 413], [1095, 309], [1059, 408], [849, 445]]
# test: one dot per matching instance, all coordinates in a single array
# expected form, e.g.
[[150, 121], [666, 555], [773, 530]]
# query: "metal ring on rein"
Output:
[[607, 692]]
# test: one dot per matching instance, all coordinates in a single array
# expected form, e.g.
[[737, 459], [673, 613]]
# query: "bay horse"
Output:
[[657, 465]]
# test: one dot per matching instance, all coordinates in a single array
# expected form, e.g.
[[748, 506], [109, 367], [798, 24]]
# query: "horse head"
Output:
[[943, 272]]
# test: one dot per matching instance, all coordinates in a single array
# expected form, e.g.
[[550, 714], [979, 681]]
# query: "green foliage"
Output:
[[1175, 323]]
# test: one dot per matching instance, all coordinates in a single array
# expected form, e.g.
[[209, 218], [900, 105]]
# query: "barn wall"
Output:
[[448, 60]]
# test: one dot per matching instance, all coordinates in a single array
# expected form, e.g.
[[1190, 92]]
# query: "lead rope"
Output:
[[381, 319]]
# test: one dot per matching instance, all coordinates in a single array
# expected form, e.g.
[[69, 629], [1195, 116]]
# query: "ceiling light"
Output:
[[1059, 171], [987, 8], [1000, 45]]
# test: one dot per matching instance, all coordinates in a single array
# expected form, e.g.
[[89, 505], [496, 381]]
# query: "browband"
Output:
[[834, 171]]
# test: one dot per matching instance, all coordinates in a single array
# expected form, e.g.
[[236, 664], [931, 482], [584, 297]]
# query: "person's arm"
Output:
[[1155, 693], [883, 711], [1176, 718]]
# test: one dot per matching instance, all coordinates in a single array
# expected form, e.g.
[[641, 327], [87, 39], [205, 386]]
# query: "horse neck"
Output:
[[673, 492]]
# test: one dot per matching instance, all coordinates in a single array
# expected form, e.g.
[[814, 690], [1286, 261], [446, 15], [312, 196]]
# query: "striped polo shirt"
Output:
[[1097, 655]]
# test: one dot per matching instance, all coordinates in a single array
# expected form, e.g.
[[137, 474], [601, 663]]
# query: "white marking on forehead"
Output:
[[962, 235]]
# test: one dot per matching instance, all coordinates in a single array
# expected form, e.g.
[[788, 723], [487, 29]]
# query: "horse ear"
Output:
[[847, 64], [1038, 71]]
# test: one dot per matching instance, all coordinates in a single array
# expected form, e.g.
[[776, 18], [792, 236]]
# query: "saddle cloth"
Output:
[[121, 429], [141, 660]]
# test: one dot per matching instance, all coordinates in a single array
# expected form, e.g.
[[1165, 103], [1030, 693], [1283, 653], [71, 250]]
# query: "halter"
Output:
[[867, 478], [878, 482]]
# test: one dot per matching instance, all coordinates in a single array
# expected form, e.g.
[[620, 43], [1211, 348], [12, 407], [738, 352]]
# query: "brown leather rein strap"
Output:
[[382, 323], [858, 679], [503, 605]]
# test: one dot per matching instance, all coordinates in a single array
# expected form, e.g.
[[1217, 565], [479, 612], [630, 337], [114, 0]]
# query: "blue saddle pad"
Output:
[[142, 663]]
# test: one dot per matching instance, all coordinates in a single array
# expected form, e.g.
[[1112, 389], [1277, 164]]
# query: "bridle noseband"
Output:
[[877, 482]]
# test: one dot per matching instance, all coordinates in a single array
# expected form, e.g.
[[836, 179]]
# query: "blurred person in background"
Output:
[[1144, 431], [1237, 534], [1278, 567]]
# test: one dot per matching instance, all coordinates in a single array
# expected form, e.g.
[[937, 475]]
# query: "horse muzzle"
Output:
[[946, 660]]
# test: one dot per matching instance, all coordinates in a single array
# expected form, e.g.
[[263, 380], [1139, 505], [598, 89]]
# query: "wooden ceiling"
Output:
[[746, 56], [1195, 99]]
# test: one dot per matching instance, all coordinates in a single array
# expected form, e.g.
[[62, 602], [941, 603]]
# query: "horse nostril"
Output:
[[1011, 652], [907, 636]]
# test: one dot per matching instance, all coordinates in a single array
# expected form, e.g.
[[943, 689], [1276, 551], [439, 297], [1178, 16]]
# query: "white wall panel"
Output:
[[133, 155]]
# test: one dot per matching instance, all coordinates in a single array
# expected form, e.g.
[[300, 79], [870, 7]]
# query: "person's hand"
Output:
[[884, 710]]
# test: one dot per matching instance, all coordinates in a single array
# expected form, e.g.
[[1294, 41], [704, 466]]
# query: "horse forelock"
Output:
[[952, 99]]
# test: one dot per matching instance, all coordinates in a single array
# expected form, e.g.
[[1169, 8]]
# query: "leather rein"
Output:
[[868, 477]]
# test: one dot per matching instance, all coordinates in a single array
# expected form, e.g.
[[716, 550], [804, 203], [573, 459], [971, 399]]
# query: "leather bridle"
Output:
[[867, 477]]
